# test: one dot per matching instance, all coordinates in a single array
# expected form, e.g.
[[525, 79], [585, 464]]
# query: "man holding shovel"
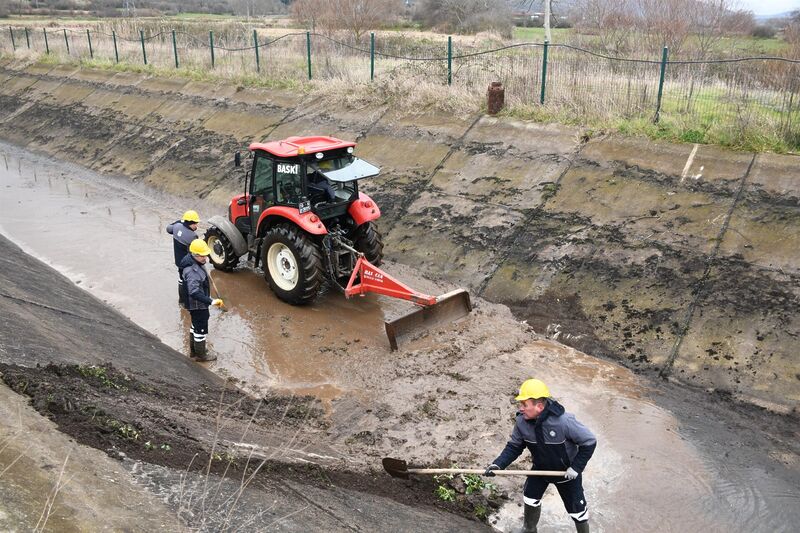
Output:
[[556, 441], [197, 297]]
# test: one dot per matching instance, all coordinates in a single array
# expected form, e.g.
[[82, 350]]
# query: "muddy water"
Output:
[[647, 475], [108, 235]]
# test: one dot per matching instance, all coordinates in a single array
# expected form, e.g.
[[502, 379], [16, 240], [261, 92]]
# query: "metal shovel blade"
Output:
[[395, 467], [448, 307]]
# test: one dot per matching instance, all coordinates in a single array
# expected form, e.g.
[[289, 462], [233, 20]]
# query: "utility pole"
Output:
[[547, 10]]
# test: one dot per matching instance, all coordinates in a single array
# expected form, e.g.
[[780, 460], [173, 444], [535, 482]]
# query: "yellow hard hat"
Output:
[[190, 216], [532, 389], [199, 247]]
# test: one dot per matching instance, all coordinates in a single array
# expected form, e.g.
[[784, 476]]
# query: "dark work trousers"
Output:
[[199, 329], [181, 295], [571, 493]]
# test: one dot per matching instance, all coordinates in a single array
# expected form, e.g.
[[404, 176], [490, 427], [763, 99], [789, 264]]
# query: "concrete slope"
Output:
[[679, 260]]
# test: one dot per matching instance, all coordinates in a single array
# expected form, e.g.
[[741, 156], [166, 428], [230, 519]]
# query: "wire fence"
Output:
[[753, 95]]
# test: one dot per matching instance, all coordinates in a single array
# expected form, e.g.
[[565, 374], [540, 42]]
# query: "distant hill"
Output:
[[763, 18], [116, 8]]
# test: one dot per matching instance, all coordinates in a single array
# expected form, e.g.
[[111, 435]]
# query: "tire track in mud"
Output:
[[703, 284]]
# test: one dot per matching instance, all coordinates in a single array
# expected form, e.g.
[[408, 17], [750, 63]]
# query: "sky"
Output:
[[769, 7]]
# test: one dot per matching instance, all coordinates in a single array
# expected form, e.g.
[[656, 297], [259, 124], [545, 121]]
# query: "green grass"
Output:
[[188, 73], [746, 45], [709, 129], [536, 35]]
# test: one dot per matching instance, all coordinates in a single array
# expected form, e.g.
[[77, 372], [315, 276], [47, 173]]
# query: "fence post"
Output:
[[66, 41], [46, 44], [371, 56], [255, 42], [449, 60], [211, 41], [13, 44], [175, 48], [89, 38], [27, 39], [656, 117], [544, 71], [116, 52], [144, 52], [308, 52]]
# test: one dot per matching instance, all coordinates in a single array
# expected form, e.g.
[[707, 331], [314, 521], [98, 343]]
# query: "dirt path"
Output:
[[443, 399]]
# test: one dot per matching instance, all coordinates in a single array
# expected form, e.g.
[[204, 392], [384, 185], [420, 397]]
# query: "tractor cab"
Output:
[[311, 174]]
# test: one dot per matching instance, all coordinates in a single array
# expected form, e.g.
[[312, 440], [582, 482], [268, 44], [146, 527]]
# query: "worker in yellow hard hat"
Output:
[[183, 232], [197, 297], [557, 441]]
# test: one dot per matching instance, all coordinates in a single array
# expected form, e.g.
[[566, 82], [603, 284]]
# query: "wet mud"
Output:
[[147, 404], [636, 232], [601, 245]]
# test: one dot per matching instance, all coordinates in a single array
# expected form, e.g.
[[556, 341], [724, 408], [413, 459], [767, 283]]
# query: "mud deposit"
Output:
[[679, 261], [442, 400], [118, 389], [625, 249]]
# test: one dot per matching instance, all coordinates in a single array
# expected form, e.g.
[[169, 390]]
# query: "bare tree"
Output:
[[713, 19], [613, 21], [465, 16], [792, 34], [358, 17]]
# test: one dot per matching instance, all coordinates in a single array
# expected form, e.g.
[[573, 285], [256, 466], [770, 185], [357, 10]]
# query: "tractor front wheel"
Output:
[[369, 242], [292, 264], [222, 256]]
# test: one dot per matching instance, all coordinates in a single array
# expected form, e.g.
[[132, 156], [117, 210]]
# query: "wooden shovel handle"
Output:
[[547, 473]]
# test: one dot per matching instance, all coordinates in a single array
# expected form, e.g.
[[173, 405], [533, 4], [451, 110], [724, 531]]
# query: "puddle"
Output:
[[107, 235]]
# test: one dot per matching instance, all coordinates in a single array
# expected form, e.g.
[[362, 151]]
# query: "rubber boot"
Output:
[[531, 518], [582, 527], [200, 351], [191, 345]]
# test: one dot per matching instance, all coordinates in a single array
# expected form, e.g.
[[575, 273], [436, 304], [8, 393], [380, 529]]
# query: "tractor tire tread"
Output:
[[369, 241], [231, 259], [310, 258]]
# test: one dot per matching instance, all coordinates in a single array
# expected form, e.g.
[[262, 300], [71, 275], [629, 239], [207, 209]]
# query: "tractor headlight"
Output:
[[319, 155], [349, 149]]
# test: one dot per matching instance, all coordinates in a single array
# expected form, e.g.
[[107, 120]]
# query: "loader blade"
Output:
[[448, 308]]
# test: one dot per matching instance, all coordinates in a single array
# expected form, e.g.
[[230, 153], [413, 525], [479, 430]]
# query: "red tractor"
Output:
[[303, 218]]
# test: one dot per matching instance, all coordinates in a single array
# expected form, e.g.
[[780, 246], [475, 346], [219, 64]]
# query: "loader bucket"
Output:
[[448, 307]]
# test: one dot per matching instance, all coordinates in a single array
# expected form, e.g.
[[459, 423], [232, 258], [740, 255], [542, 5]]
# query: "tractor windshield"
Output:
[[344, 169]]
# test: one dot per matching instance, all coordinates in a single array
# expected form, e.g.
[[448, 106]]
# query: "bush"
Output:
[[763, 32], [466, 16]]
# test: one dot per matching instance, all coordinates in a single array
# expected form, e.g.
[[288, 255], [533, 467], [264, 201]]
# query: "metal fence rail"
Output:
[[758, 95]]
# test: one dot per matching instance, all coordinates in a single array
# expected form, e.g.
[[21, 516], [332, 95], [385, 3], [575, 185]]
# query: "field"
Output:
[[749, 104]]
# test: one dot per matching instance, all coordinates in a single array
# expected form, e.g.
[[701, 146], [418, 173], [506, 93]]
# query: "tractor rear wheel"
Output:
[[292, 264], [369, 242], [222, 256]]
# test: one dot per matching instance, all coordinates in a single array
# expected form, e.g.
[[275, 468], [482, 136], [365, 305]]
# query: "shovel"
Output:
[[216, 291], [399, 468]]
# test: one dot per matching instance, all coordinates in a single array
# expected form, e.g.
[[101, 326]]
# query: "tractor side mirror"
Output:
[[237, 159]]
